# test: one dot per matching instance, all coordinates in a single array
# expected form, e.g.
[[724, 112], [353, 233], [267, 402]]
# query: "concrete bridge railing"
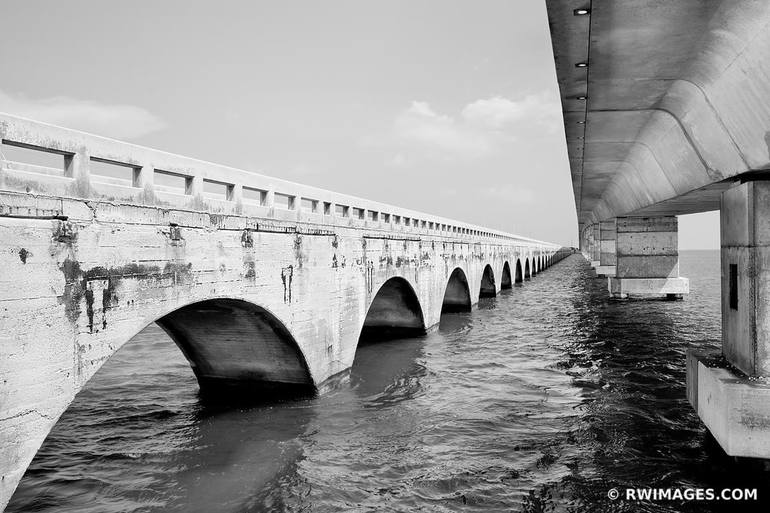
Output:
[[262, 293], [100, 168]]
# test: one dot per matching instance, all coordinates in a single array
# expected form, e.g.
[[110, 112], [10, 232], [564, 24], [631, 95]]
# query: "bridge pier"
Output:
[[732, 393], [607, 248], [647, 259], [596, 248]]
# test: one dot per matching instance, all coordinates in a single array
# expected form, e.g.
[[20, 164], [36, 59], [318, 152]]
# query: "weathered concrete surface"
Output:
[[607, 247], [734, 408], [745, 234], [672, 102], [255, 295], [647, 257], [734, 402]]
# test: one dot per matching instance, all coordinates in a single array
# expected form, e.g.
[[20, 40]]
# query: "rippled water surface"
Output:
[[541, 399]]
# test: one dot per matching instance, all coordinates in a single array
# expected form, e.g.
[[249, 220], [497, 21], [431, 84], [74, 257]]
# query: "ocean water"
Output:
[[541, 399]]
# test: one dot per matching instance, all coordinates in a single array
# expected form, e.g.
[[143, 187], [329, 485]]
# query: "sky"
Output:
[[448, 107]]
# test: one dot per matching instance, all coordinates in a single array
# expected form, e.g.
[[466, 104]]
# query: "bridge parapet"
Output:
[[99, 168]]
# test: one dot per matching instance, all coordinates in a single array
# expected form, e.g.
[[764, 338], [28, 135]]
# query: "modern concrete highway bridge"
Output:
[[264, 284], [667, 111]]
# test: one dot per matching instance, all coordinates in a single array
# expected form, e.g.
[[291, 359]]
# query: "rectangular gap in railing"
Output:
[[176, 183], [358, 213], [396, 219], [374, 216], [284, 201], [254, 196], [327, 208], [386, 218], [113, 172], [341, 210], [26, 157], [309, 205], [218, 190]]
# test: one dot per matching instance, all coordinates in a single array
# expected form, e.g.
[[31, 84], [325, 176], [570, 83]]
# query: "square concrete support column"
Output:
[[585, 243], [647, 259], [607, 242], [730, 400], [596, 248]]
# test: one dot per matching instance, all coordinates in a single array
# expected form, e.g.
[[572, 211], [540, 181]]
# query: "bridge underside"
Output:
[[666, 112], [670, 104]]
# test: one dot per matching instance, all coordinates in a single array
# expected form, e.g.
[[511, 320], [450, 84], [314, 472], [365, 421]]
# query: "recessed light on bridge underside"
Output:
[[581, 122], [583, 98], [581, 64], [581, 12]]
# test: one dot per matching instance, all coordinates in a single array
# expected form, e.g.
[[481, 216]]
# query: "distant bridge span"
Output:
[[264, 284]]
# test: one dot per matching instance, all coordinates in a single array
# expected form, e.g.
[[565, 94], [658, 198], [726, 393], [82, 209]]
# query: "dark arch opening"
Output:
[[488, 283], [457, 297], [505, 280], [147, 384], [527, 273], [519, 275], [395, 312], [233, 345]]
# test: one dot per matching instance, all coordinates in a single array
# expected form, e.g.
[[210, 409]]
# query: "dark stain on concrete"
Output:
[[73, 289], [250, 272], [89, 295], [286, 276], [247, 240], [79, 285], [65, 232], [23, 254], [298, 251]]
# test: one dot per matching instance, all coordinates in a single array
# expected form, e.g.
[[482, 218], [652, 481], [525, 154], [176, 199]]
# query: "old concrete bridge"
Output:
[[667, 111], [264, 284]]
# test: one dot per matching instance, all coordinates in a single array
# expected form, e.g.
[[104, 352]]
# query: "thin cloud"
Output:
[[482, 128], [119, 121], [511, 193], [499, 113], [422, 126]]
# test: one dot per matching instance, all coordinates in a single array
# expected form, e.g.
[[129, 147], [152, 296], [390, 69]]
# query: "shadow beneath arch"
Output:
[[141, 436], [457, 297], [487, 283], [395, 312], [239, 350]]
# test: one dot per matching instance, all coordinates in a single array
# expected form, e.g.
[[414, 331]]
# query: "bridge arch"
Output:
[[394, 312], [488, 288], [235, 344], [527, 271], [505, 279], [457, 295], [519, 277]]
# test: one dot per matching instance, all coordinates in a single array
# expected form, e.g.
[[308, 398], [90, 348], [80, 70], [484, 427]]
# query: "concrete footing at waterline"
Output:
[[734, 407], [649, 288], [605, 271]]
